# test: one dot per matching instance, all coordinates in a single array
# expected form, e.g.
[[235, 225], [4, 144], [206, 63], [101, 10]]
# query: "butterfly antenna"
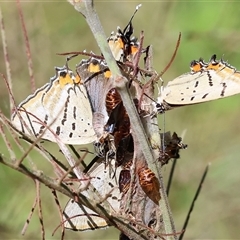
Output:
[[76, 53], [164, 128], [193, 202], [69, 58], [149, 97], [128, 30], [136, 9]]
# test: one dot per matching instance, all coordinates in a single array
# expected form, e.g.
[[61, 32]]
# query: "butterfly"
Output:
[[81, 218], [122, 44], [60, 107], [206, 82]]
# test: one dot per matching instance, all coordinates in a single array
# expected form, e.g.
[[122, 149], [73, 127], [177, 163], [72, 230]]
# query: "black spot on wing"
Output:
[[196, 84], [43, 125], [74, 112], [58, 129], [65, 111], [114, 198], [64, 116], [223, 90], [205, 95], [110, 184], [210, 82]]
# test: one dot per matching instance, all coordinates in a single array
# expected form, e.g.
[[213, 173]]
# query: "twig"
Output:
[[29, 217], [60, 212], [28, 52], [171, 175], [38, 196], [6, 57], [193, 202]]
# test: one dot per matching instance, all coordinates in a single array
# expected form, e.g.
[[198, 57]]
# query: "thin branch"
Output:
[[29, 217], [193, 202], [28, 52], [6, 57], [171, 175], [60, 211], [40, 215]]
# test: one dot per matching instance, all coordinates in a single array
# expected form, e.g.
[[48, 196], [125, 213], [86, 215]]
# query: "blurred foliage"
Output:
[[212, 128]]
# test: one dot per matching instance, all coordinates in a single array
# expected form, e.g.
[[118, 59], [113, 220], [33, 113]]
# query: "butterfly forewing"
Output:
[[60, 108]]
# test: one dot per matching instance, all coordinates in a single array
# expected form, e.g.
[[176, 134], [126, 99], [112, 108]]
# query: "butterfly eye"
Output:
[[63, 74]]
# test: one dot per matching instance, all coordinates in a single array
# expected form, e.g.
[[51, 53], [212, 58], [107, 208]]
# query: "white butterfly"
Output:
[[206, 81], [60, 107], [122, 44], [81, 218]]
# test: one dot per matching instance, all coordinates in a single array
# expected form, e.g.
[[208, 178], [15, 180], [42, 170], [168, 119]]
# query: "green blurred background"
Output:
[[213, 130]]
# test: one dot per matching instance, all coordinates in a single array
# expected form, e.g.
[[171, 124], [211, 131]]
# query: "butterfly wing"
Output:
[[81, 218], [60, 107], [205, 82], [96, 77]]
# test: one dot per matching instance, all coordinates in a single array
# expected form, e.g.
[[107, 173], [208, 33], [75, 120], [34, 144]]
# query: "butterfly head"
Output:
[[122, 44]]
